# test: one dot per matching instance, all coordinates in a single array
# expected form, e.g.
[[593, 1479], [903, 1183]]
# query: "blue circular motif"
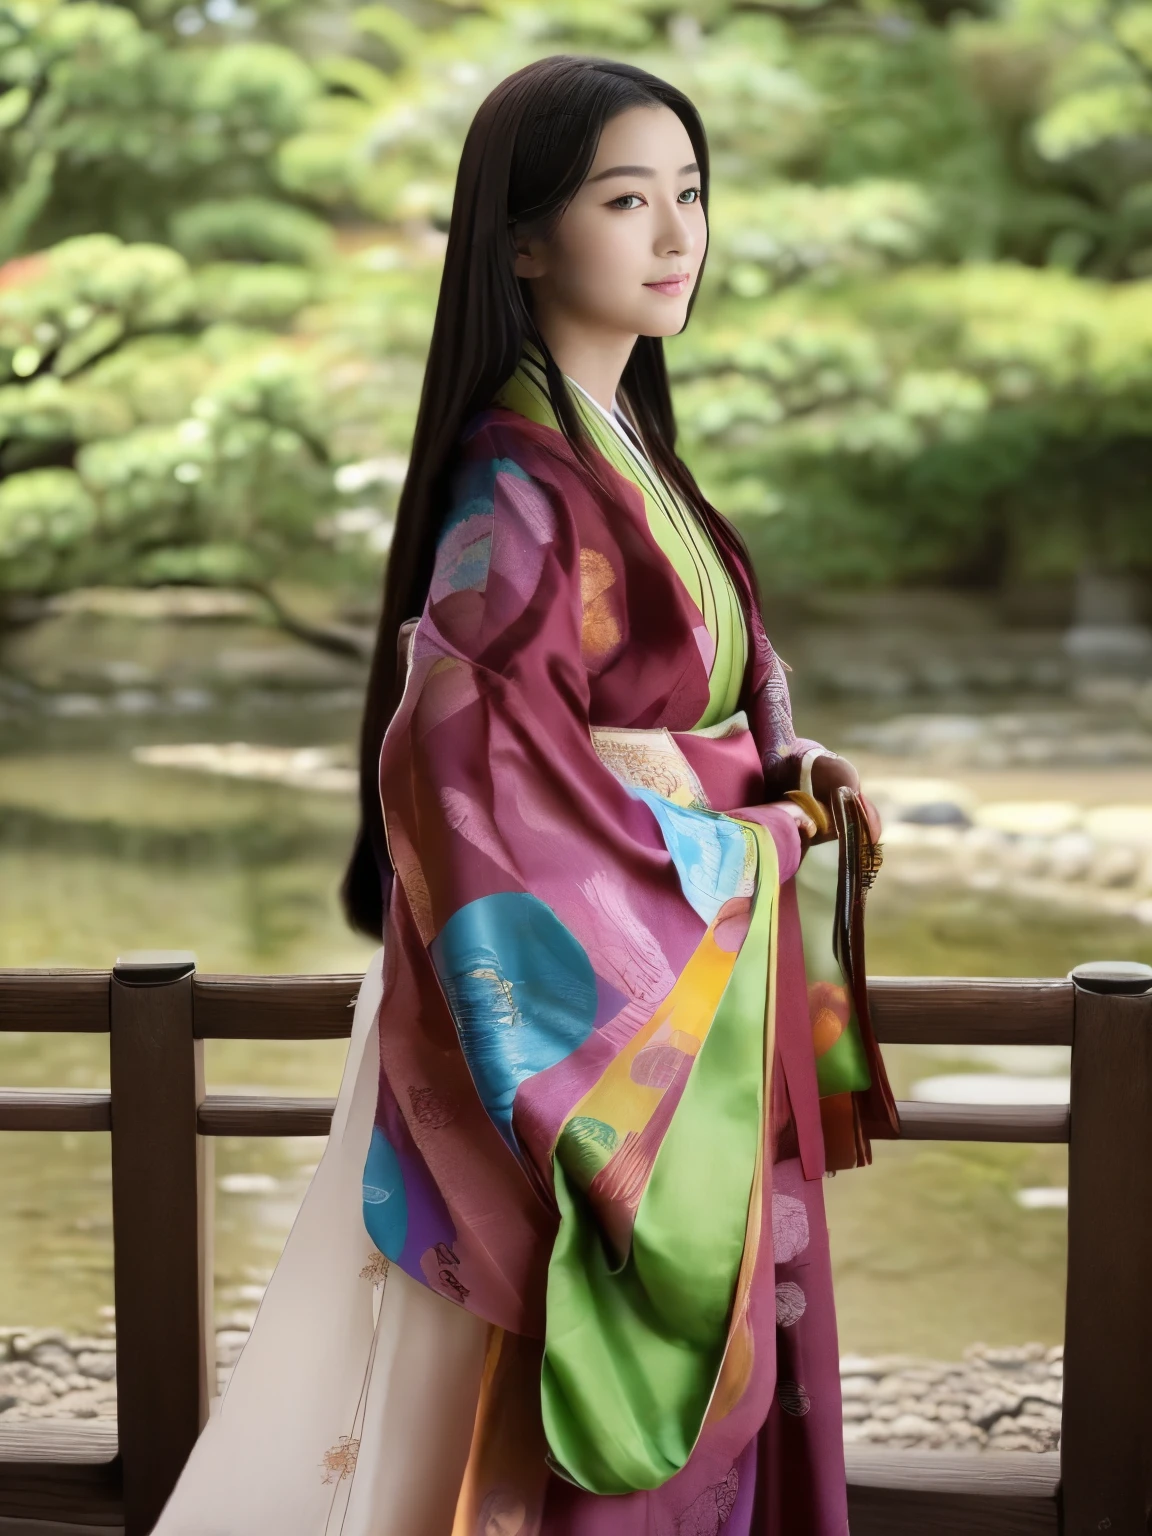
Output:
[[385, 1199], [521, 989]]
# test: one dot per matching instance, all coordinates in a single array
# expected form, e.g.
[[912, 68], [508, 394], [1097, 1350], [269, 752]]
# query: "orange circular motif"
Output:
[[826, 1030]]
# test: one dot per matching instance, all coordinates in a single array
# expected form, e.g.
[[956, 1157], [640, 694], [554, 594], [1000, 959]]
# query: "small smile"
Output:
[[672, 285]]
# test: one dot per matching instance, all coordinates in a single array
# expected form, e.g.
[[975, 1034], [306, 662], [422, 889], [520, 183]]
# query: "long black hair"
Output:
[[529, 149]]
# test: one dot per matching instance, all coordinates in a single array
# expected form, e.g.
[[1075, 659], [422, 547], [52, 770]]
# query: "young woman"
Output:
[[588, 1290]]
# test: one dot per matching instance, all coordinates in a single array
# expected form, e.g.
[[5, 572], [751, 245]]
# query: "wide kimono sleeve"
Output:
[[490, 782], [604, 954], [770, 712]]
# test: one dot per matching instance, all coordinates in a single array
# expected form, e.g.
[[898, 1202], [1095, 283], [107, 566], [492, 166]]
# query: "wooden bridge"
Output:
[[158, 1012]]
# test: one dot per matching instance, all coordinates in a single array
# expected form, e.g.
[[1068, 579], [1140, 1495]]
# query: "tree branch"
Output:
[[337, 639]]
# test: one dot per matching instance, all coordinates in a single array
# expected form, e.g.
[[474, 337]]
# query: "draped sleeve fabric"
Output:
[[769, 708], [574, 1088]]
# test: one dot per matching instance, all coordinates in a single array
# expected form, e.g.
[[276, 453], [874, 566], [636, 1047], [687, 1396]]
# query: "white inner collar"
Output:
[[615, 417]]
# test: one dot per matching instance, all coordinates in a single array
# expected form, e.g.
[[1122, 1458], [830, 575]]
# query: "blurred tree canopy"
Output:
[[922, 349]]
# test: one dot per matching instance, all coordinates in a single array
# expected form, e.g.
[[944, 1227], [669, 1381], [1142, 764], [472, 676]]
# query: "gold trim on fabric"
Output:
[[649, 759], [731, 725]]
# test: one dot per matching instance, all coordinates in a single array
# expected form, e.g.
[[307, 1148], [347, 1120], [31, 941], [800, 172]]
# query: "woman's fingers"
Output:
[[875, 826], [830, 773], [808, 828]]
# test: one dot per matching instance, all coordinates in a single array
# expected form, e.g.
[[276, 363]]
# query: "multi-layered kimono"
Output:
[[593, 1139], [598, 1124]]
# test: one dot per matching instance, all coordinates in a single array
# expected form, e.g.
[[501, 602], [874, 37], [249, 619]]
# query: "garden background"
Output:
[[919, 377]]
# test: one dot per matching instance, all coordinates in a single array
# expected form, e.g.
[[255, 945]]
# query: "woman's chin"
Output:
[[670, 324]]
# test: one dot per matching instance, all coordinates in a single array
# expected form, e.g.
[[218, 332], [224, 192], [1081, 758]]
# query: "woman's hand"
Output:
[[809, 831], [829, 774]]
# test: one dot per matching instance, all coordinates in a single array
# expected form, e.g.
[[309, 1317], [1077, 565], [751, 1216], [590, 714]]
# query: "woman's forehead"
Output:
[[643, 137]]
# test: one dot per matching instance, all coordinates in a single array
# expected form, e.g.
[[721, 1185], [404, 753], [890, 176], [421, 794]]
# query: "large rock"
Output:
[[53, 1357], [99, 1365]]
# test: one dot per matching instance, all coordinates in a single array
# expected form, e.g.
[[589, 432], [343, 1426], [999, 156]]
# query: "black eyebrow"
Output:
[[639, 170]]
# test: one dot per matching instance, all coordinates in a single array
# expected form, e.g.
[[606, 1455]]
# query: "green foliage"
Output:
[[1100, 78], [267, 295], [940, 421], [188, 430], [109, 126], [250, 229], [768, 239], [921, 350], [43, 516]]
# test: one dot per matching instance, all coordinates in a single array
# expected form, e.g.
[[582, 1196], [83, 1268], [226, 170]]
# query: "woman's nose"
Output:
[[675, 237]]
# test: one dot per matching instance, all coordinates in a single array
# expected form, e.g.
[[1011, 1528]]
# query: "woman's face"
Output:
[[636, 223]]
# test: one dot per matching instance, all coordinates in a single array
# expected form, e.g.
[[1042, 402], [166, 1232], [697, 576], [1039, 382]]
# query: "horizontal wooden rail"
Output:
[[890, 1492], [920, 1121], [158, 1012], [84, 1441], [55, 1109], [55, 1001], [970, 1010], [1007, 1472], [280, 1008], [61, 1470], [237, 1114], [219, 1114], [985, 1493], [906, 1010]]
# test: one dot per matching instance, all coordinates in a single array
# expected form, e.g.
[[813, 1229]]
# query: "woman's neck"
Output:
[[596, 366]]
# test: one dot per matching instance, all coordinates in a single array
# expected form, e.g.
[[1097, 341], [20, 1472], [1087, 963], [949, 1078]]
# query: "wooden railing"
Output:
[[158, 1012]]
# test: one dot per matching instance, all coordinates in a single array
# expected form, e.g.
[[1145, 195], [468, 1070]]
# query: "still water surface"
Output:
[[100, 853]]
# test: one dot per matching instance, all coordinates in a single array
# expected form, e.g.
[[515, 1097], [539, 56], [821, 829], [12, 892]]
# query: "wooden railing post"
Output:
[[161, 1265], [1106, 1447]]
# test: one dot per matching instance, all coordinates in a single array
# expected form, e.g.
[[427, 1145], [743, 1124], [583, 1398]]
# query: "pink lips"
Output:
[[671, 285]]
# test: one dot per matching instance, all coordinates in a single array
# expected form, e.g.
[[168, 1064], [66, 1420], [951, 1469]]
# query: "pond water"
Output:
[[101, 852]]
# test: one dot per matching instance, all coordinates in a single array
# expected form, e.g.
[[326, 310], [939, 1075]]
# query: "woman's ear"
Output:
[[529, 257]]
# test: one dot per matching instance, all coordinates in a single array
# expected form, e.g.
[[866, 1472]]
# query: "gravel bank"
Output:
[[1095, 857], [994, 1399]]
